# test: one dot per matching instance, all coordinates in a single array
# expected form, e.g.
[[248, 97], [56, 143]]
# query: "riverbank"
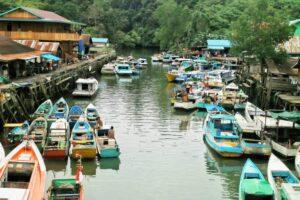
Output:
[[22, 96]]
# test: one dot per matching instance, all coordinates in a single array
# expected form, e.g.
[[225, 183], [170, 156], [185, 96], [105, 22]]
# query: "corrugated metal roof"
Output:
[[100, 40], [51, 47], [218, 43]]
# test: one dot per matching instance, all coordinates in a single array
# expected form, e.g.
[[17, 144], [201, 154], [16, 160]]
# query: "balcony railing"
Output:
[[48, 36]]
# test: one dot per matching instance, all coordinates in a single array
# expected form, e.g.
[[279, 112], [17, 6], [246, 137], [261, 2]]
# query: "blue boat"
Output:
[[60, 111], [123, 70], [253, 184], [221, 135], [107, 147], [74, 114]]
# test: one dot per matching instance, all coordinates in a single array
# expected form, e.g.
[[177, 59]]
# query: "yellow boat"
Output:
[[83, 144], [172, 75]]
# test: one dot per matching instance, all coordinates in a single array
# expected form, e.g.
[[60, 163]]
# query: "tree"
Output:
[[259, 30]]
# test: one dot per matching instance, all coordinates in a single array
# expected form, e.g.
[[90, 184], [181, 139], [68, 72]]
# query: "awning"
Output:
[[215, 47], [50, 57]]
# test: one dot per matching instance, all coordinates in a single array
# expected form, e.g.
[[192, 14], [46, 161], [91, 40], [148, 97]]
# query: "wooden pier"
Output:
[[20, 99]]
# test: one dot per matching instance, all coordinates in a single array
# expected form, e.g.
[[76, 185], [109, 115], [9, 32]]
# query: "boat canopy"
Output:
[[87, 81], [257, 187], [291, 116], [223, 116], [212, 107]]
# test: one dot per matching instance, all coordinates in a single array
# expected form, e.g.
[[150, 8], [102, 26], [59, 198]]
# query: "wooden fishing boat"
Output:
[[233, 98], [186, 106], [57, 142], [16, 135], [252, 110], [2, 152], [297, 162], [283, 182], [251, 143], [74, 114], [38, 131], [221, 135], [60, 111], [44, 110], [123, 70], [83, 144], [108, 69], [91, 114], [107, 147], [86, 87], [282, 134], [253, 184], [23, 173], [172, 75], [65, 189]]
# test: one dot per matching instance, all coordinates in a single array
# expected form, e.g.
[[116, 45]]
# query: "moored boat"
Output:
[[253, 184], [82, 141], [251, 143], [221, 135], [2, 152], [91, 114], [283, 182], [17, 134], [38, 131], [108, 69], [297, 162], [123, 70], [74, 114], [186, 106], [107, 147], [60, 111], [172, 75], [86, 87], [57, 142], [44, 110], [23, 173]]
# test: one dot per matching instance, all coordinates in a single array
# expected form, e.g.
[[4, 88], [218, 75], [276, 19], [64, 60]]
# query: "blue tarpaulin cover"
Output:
[[218, 44], [100, 40], [212, 107], [50, 57]]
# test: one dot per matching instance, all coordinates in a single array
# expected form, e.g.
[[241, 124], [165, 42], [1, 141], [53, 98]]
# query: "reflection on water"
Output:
[[163, 154]]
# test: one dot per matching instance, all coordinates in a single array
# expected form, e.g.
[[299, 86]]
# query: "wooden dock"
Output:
[[20, 99]]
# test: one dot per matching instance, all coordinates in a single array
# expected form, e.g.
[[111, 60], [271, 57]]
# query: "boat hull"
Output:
[[284, 151], [171, 77], [109, 153], [83, 93], [55, 153], [230, 152], [256, 149], [185, 106], [83, 152]]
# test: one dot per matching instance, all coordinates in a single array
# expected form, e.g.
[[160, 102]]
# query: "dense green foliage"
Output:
[[173, 24]]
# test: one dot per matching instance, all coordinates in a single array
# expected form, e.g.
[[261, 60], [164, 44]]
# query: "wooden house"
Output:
[[24, 23]]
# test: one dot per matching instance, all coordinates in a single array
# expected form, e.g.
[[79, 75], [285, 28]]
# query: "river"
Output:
[[163, 155]]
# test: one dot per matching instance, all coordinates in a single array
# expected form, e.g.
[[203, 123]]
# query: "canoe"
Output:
[[44, 110], [16, 135], [82, 141], [23, 173], [2, 152], [38, 131], [282, 180], [60, 111], [251, 143], [57, 142], [253, 184], [107, 147], [221, 135], [297, 162], [74, 114], [91, 114]]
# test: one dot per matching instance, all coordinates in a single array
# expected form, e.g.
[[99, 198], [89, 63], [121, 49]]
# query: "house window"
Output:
[[9, 27]]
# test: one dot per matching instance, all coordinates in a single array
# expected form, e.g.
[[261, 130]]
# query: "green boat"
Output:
[[60, 111], [38, 132], [65, 189], [253, 185], [17, 134], [44, 110]]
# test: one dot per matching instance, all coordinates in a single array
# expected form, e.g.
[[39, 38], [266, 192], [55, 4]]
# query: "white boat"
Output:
[[123, 70], [297, 162], [2, 152], [142, 61], [282, 180], [91, 114], [108, 69], [86, 87], [252, 110], [282, 134]]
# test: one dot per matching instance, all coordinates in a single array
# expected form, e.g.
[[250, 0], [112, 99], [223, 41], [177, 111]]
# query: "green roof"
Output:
[[291, 116], [57, 183], [257, 187]]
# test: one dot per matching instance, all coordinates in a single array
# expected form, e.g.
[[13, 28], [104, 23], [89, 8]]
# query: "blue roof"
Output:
[[100, 40], [218, 44], [50, 57]]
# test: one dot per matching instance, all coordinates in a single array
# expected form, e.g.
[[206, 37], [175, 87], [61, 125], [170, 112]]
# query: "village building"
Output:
[[30, 26], [293, 45]]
